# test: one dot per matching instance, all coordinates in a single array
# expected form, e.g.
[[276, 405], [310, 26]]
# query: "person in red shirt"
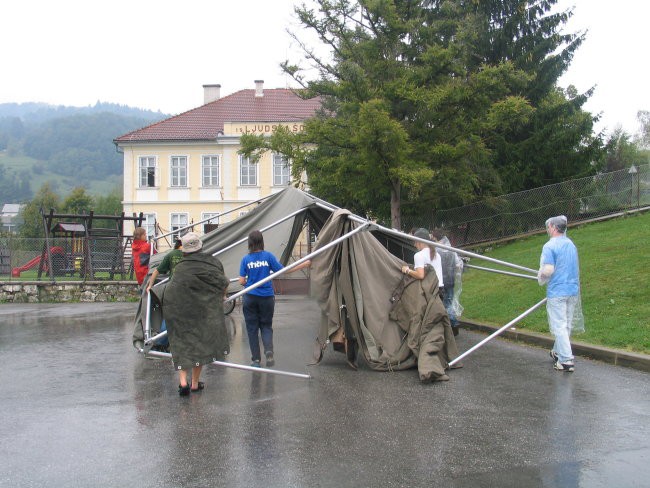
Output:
[[140, 247]]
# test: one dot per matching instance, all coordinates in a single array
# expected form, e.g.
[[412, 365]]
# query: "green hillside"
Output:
[[614, 278], [39, 173]]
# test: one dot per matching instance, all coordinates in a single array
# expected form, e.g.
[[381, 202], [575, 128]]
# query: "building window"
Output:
[[210, 170], [247, 172], [179, 171], [149, 223], [147, 165], [178, 221], [210, 221], [281, 170]]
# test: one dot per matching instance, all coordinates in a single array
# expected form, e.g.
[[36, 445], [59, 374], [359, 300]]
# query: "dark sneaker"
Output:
[[553, 355], [269, 359], [256, 364], [566, 366]]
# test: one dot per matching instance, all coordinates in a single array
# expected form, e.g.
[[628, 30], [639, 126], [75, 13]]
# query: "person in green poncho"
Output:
[[192, 305]]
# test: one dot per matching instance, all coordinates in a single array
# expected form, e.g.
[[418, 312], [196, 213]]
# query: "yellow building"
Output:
[[186, 168]]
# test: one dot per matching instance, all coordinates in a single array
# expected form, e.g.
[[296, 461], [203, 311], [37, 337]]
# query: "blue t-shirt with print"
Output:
[[563, 255], [255, 267]]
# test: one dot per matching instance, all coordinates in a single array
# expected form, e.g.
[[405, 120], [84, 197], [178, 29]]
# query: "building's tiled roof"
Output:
[[207, 121]]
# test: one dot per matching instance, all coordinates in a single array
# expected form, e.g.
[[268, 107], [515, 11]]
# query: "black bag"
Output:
[[144, 259]]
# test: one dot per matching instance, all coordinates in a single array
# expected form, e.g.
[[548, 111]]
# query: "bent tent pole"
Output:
[[238, 366], [449, 248], [299, 261], [498, 332]]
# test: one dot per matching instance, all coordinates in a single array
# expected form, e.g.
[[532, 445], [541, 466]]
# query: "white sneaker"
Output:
[[567, 366]]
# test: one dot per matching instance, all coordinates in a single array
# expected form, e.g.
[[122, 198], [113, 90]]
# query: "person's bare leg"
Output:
[[196, 373], [182, 377]]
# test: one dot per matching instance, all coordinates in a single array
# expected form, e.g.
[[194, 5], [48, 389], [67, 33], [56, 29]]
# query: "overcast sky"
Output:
[[157, 54]]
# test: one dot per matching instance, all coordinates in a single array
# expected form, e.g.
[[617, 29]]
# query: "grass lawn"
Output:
[[614, 278]]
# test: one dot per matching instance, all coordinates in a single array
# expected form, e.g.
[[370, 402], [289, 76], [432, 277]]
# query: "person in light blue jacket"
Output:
[[559, 271]]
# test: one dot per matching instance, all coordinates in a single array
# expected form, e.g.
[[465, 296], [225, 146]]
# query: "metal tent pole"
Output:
[[501, 272], [224, 364], [298, 262], [498, 332], [277, 222], [448, 248], [259, 200], [274, 275]]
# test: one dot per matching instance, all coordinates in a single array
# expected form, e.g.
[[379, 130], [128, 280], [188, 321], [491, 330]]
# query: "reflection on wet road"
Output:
[[82, 408]]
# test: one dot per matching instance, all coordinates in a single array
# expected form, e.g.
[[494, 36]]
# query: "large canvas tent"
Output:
[[368, 308]]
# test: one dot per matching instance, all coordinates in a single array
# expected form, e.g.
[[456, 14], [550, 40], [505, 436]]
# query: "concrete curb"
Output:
[[599, 353]]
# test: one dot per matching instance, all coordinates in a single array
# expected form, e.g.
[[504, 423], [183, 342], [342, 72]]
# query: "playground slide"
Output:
[[15, 272]]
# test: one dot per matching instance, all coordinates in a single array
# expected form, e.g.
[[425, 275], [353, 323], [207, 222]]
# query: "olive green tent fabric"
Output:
[[291, 202], [194, 313], [357, 284], [354, 281]]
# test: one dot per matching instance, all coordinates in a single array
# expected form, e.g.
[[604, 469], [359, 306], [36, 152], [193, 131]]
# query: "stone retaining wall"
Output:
[[69, 291]]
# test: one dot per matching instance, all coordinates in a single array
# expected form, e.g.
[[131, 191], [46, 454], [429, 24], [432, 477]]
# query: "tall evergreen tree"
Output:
[[432, 103]]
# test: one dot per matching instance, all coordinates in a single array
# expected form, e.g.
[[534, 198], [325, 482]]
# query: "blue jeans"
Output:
[[164, 341], [447, 302], [258, 314], [560, 316]]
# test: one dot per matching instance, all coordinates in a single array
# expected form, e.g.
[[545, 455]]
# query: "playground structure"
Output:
[[84, 244]]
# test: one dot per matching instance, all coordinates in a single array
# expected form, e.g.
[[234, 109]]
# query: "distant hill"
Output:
[[68, 146], [34, 112]]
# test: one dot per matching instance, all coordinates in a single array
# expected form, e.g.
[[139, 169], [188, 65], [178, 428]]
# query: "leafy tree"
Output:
[[621, 152], [45, 199], [14, 187], [110, 204], [78, 202], [643, 139], [430, 104]]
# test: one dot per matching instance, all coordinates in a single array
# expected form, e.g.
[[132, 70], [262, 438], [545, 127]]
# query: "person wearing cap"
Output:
[[426, 255], [559, 270], [259, 303], [192, 306]]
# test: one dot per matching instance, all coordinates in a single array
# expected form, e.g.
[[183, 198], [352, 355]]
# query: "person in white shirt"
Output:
[[426, 255]]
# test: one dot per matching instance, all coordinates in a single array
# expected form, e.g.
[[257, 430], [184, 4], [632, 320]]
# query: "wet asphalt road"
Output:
[[81, 408]]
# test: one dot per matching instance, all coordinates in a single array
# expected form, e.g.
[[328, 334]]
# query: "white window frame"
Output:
[[147, 172], [149, 224], [251, 172], [281, 170], [176, 220], [212, 164], [178, 169], [213, 216]]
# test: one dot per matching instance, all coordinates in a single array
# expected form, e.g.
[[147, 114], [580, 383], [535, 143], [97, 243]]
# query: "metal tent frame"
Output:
[[364, 226]]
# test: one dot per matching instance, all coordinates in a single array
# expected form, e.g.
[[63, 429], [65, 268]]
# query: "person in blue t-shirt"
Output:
[[259, 303], [558, 268]]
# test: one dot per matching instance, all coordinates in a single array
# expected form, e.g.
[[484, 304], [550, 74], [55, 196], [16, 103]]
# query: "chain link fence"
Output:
[[526, 212], [27, 259]]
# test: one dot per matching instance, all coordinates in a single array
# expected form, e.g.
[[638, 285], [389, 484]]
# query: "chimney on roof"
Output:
[[259, 88], [211, 93]]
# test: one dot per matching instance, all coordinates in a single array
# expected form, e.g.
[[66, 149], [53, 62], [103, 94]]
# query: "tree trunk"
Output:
[[396, 205]]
